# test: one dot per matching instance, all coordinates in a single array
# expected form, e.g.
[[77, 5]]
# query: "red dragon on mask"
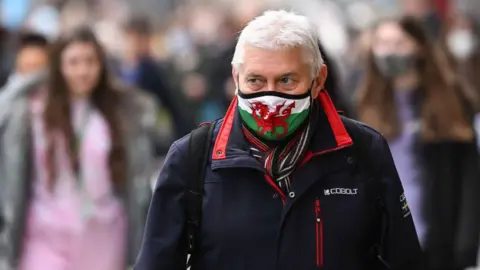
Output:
[[269, 121]]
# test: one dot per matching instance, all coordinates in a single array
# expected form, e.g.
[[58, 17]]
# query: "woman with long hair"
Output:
[[410, 95], [78, 166]]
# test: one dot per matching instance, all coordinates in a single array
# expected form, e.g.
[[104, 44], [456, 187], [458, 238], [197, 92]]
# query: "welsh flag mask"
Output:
[[273, 115]]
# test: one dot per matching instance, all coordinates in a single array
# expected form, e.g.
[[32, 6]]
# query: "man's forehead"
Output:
[[279, 73], [257, 52], [264, 62]]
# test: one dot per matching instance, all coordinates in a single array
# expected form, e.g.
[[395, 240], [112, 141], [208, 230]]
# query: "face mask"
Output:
[[273, 115], [461, 43], [392, 66]]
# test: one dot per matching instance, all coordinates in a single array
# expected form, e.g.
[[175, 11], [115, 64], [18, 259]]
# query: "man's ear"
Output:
[[235, 77], [319, 83]]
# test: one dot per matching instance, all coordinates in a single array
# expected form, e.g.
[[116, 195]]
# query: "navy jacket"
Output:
[[329, 221]]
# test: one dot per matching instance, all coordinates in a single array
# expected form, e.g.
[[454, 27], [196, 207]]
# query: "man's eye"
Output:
[[253, 81], [286, 80]]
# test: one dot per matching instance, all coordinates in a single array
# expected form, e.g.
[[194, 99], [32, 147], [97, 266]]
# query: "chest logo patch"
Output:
[[341, 191]]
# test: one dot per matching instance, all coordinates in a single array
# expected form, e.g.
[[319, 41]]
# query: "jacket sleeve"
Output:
[[164, 244], [401, 248]]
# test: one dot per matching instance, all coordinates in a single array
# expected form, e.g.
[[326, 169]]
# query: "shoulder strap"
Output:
[[199, 147]]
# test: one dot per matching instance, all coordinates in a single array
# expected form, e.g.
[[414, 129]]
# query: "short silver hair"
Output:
[[280, 29]]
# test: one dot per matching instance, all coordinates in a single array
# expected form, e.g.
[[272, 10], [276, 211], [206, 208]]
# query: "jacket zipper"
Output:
[[318, 234]]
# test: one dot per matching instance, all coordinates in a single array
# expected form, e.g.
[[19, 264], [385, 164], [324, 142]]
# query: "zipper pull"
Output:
[[317, 211]]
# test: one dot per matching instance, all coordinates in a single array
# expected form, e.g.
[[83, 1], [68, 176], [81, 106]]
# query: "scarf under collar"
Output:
[[282, 159]]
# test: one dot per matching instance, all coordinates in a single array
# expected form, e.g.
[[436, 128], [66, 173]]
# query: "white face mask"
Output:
[[461, 43]]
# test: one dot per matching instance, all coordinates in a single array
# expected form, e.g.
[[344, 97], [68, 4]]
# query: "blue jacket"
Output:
[[329, 221]]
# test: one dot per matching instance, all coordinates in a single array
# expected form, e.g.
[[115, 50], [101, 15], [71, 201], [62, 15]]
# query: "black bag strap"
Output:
[[199, 145]]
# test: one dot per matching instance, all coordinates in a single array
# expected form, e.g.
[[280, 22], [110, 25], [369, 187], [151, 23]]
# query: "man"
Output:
[[289, 184]]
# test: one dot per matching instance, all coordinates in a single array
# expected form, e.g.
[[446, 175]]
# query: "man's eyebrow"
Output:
[[253, 74], [289, 74]]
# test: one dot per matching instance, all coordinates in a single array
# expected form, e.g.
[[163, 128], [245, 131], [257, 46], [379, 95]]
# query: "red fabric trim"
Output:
[[224, 133], [309, 155], [339, 131], [306, 158]]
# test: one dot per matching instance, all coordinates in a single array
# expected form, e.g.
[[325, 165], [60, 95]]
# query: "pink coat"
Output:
[[73, 227]]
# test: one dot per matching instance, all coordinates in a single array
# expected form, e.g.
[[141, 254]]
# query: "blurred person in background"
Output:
[[206, 86], [333, 85], [201, 105], [75, 152], [32, 56], [219, 74], [73, 13], [138, 68], [426, 12], [461, 41], [408, 98], [7, 54], [357, 56]]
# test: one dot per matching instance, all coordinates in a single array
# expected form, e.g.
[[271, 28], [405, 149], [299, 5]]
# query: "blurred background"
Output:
[[191, 42], [179, 52]]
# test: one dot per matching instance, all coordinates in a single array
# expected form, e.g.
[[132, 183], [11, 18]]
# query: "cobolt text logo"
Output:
[[341, 191]]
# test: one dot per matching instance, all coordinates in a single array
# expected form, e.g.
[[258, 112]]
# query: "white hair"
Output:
[[280, 29]]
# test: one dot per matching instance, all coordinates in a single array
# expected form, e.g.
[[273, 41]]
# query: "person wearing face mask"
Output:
[[410, 98], [288, 182], [461, 42]]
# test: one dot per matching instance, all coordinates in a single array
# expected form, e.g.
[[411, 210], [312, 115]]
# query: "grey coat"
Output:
[[138, 114]]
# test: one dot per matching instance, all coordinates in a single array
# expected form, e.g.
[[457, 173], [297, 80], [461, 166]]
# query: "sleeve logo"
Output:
[[341, 191], [404, 205]]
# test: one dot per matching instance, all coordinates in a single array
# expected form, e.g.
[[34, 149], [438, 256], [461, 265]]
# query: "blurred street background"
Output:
[[192, 41]]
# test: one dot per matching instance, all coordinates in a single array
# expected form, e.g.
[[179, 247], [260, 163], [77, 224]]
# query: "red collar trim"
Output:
[[219, 150], [340, 133]]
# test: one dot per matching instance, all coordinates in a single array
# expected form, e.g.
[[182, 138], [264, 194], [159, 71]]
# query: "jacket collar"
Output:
[[330, 133]]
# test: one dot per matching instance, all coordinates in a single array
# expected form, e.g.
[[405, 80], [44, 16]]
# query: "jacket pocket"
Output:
[[318, 234]]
